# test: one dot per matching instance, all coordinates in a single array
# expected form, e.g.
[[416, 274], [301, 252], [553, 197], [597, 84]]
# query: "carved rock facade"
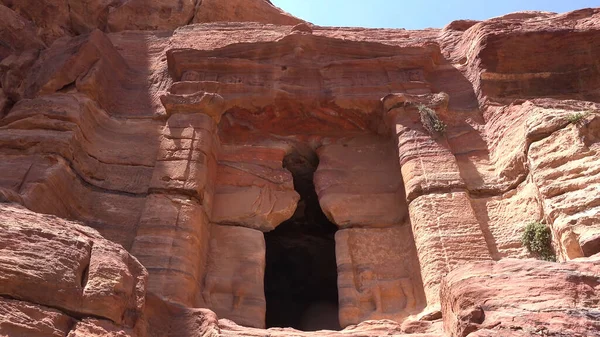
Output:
[[200, 159]]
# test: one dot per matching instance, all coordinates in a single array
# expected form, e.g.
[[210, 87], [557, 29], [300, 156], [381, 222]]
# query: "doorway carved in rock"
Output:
[[304, 122], [301, 274]]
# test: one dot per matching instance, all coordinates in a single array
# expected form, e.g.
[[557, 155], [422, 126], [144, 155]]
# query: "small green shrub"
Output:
[[430, 120], [577, 117], [537, 238]]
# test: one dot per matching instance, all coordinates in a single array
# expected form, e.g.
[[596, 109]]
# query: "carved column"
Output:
[[445, 228], [234, 279], [173, 233], [378, 274], [360, 189]]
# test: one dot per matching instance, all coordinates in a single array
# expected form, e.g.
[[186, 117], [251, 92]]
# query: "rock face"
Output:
[[234, 282], [378, 274], [253, 189], [368, 193], [53, 263], [479, 299], [57, 18], [163, 161], [61, 278]]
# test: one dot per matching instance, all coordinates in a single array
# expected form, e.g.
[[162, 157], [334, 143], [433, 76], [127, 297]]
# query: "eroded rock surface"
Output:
[[253, 189], [193, 140], [495, 299], [378, 274], [57, 264], [234, 282], [368, 193]]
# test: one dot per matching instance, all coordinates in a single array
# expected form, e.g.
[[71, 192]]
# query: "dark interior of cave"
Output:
[[301, 273]]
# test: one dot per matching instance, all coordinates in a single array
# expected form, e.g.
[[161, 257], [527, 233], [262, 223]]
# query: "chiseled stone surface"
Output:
[[252, 188], [368, 193], [172, 243], [234, 282], [378, 274], [186, 162], [165, 126], [427, 162], [447, 234]]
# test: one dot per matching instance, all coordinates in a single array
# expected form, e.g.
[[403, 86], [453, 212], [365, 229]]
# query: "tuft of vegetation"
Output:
[[430, 120], [537, 238], [577, 117]]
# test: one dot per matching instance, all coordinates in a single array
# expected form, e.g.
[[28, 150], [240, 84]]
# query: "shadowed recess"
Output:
[[301, 275]]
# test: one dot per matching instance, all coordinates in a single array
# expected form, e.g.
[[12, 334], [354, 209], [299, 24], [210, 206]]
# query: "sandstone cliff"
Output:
[[213, 168]]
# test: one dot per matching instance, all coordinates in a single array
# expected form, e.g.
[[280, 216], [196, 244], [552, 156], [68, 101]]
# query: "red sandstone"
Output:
[[149, 149]]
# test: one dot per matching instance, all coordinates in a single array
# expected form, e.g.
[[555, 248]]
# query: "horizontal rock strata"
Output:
[[147, 147]]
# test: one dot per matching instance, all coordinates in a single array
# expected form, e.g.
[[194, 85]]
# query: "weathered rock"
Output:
[[447, 234], [90, 276], [172, 320], [253, 189], [73, 153], [504, 76], [302, 28], [46, 251], [87, 137], [522, 298], [427, 163], [18, 318], [157, 14], [171, 241], [186, 160], [367, 328], [502, 219], [87, 15], [320, 76], [16, 34], [98, 327], [234, 282], [367, 193], [536, 138], [564, 169], [161, 14], [5, 104], [68, 60], [207, 103], [378, 274], [13, 71], [51, 18], [242, 10], [176, 144], [60, 18]]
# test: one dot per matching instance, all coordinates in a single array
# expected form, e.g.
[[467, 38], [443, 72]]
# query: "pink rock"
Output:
[[497, 297], [173, 140], [243, 10], [91, 276]]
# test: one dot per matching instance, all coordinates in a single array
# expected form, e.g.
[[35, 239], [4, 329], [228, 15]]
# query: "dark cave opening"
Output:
[[301, 271]]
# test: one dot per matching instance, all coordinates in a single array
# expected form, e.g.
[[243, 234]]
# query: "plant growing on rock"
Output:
[[577, 117], [537, 238], [430, 120]]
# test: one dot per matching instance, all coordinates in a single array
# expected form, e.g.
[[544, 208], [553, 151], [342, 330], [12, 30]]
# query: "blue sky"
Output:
[[415, 14]]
